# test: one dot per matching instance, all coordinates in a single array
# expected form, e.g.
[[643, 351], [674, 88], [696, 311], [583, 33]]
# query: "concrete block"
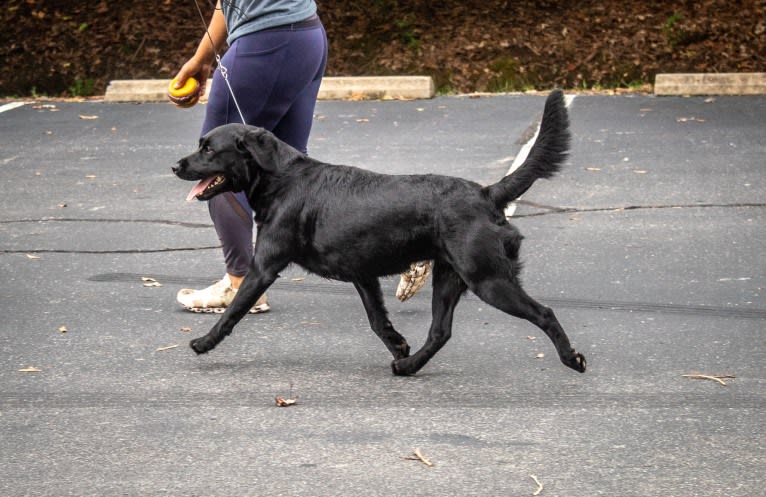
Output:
[[710, 84], [377, 87], [333, 88]]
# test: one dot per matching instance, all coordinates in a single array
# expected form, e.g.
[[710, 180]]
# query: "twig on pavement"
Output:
[[418, 456], [718, 378]]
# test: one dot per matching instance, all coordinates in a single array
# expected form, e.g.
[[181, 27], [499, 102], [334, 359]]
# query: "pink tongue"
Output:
[[199, 188]]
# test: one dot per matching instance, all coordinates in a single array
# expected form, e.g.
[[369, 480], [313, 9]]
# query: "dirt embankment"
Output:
[[75, 47]]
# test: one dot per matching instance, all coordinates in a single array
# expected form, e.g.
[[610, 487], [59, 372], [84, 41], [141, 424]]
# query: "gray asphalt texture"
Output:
[[649, 246]]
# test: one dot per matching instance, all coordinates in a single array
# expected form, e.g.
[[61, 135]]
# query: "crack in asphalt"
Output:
[[548, 211], [165, 222], [103, 220], [108, 252], [552, 210]]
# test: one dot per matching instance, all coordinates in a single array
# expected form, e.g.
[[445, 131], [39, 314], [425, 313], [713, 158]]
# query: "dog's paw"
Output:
[[401, 367], [577, 362], [201, 345], [401, 351]]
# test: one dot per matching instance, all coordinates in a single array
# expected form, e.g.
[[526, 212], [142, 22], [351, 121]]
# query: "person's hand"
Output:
[[199, 70]]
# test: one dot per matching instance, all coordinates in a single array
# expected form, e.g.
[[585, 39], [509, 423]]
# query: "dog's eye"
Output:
[[206, 149]]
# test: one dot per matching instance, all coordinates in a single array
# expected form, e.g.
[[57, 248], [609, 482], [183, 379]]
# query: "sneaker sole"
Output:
[[258, 309]]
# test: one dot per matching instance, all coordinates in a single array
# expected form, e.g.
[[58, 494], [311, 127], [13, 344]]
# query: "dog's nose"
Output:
[[179, 167]]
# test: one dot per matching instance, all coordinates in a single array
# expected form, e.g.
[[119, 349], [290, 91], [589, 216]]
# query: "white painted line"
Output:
[[524, 152], [10, 106]]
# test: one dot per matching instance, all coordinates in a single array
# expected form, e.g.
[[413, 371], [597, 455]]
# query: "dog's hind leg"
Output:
[[448, 288], [372, 298], [504, 292]]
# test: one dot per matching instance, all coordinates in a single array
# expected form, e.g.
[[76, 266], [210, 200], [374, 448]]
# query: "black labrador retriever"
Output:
[[350, 224]]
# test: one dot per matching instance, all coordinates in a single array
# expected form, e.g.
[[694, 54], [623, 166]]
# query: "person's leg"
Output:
[[233, 221], [276, 77], [290, 66]]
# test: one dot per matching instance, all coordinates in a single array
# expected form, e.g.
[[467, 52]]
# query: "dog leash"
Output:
[[221, 67]]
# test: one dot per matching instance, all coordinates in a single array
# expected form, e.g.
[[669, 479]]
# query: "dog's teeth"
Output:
[[218, 180]]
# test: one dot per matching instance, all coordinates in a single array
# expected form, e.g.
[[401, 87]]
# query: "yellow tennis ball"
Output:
[[185, 96]]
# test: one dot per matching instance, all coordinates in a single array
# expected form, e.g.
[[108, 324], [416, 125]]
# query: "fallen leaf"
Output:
[[539, 486], [283, 402], [362, 120], [150, 282], [63, 329], [88, 118], [530, 337], [593, 169], [62, 205], [710, 100], [539, 356], [30, 369], [33, 256], [640, 171], [297, 279], [689, 119], [90, 176], [186, 329], [168, 347]]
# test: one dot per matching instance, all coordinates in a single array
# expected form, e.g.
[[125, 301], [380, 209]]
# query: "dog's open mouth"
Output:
[[206, 188]]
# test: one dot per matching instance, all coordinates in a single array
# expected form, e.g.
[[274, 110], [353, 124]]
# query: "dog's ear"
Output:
[[269, 152]]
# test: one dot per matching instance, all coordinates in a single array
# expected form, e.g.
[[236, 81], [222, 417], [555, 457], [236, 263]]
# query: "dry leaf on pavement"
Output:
[[150, 282], [283, 402]]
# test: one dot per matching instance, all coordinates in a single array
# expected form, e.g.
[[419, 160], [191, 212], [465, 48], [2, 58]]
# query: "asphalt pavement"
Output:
[[649, 246]]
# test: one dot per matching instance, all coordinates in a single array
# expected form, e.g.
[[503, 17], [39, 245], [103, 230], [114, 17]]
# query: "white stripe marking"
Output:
[[524, 152], [10, 106]]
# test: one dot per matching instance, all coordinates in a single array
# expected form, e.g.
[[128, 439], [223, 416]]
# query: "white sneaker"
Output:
[[216, 298], [413, 280]]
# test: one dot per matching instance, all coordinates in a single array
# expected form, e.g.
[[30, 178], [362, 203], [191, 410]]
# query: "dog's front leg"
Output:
[[256, 282], [372, 298], [448, 288]]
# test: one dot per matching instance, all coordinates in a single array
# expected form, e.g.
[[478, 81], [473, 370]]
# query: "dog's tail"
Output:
[[545, 158]]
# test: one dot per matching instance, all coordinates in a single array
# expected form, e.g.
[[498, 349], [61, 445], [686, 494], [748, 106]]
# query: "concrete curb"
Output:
[[710, 84], [337, 88]]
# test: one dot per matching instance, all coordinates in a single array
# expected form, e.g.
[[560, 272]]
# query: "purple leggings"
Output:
[[275, 75]]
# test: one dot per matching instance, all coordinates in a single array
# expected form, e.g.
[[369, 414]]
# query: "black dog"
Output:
[[349, 224]]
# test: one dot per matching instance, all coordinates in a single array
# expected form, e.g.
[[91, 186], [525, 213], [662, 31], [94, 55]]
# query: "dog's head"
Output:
[[232, 157]]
